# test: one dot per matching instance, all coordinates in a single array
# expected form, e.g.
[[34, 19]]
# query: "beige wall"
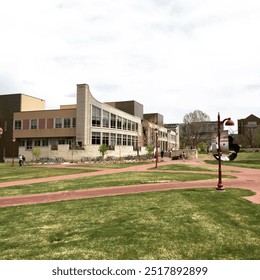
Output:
[[76, 155], [29, 103]]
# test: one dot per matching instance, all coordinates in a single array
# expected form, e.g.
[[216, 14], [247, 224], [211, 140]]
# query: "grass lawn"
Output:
[[22, 173], [247, 160], [181, 224], [186, 167], [121, 179]]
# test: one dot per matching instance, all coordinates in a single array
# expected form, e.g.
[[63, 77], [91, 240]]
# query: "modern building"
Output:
[[76, 131], [249, 123], [249, 131], [8, 105]]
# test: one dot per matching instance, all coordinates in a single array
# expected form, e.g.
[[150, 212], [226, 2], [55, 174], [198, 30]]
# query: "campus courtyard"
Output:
[[130, 211]]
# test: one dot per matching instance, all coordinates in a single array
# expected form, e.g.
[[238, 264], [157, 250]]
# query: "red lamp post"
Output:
[[229, 122], [13, 151], [156, 147]]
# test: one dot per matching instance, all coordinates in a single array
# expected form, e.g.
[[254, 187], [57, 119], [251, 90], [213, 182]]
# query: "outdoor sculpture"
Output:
[[229, 150]]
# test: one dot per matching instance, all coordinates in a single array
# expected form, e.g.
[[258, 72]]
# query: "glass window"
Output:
[[96, 116], [37, 142], [113, 121], [29, 144], [17, 124], [129, 140], [129, 125], [105, 119], [34, 124], [133, 126], [45, 142], [124, 123], [95, 138], [67, 123], [124, 139], [74, 122], [105, 138], [119, 139], [119, 123], [62, 141], [113, 139], [58, 123]]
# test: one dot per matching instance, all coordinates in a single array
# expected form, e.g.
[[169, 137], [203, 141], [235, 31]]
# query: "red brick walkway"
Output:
[[246, 178]]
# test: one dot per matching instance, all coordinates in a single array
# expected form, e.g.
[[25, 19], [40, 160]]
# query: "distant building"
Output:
[[193, 133], [248, 129], [250, 123], [77, 131]]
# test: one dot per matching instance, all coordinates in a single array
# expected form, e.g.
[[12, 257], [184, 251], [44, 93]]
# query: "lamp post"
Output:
[[229, 122], [13, 151], [156, 147]]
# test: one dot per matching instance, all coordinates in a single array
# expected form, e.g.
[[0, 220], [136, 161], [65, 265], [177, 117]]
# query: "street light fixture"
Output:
[[156, 147], [1, 131], [227, 122], [13, 151]]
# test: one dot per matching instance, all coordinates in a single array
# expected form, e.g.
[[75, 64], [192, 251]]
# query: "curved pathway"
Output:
[[246, 179]]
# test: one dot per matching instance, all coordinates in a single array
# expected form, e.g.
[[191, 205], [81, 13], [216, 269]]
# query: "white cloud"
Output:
[[171, 56]]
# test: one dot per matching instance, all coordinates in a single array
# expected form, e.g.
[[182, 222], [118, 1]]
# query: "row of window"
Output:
[[44, 142], [113, 139], [45, 123], [98, 138], [109, 120]]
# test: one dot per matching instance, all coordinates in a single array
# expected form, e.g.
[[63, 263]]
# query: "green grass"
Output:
[[115, 165], [110, 180], [238, 163], [246, 160], [181, 224], [186, 167], [9, 173]]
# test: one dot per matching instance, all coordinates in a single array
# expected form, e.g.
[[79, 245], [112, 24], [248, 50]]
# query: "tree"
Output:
[[36, 153], [195, 127], [103, 150]]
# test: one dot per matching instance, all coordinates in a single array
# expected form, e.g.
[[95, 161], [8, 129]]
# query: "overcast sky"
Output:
[[172, 56]]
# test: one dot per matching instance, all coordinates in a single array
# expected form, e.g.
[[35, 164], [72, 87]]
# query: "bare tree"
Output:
[[196, 125]]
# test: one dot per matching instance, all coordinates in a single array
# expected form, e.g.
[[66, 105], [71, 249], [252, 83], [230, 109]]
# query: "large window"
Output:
[[96, 138], [119, 139], [113, 121], [124, 139], [105, 119], [74, 122], [113, 139], [119, 123], [58, 123], [29, 144], [129, 143], [129, 125], [124, 123], [34, 124], [96, 116], [17, 124], [105, 138], [67, 123]]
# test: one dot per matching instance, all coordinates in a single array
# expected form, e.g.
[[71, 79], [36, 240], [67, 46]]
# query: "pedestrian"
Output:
[[162, 153], [20, 158], [23, 159], [183, 155]]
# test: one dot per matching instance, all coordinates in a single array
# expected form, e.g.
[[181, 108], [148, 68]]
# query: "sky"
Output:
[[172, 56]]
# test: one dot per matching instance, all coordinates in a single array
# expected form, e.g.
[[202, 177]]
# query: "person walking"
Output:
[[183, 155], [20, 159]]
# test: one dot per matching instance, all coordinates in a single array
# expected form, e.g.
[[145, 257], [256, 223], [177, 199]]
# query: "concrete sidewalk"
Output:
[[246, 179]]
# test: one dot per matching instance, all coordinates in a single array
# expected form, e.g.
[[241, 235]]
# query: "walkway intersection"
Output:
[[246, 179]]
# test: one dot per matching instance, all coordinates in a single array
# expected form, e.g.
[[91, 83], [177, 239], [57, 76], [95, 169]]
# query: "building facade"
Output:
[[76, 131], [249, 123]]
